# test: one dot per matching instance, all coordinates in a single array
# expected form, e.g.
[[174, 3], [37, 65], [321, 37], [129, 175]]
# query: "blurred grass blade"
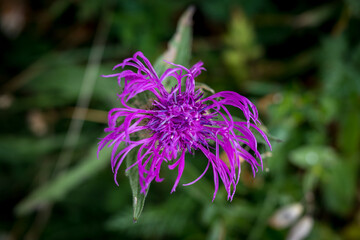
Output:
[[178, 51], [58, 188], [217, 231]]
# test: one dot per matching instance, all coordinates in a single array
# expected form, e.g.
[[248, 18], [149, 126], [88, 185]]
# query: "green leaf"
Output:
[[178, 52], [311, 179], [339, 188], [309, 156], [138, 197]]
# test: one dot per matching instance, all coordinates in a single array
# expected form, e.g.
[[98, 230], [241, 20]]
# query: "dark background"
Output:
[[298, 61]]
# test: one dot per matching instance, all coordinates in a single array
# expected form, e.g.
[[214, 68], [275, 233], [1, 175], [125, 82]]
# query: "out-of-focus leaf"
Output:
[[352, 231], [241, 46], [354, 7], [217, 230], [309, 156], [24, 149], [172, 217], [349, 138], [329, 108], [90, 9], [58, 188], [58, 8], [55, 61], [322, 231], [60, 86], [311, 178], [339, 187], [332, 65]]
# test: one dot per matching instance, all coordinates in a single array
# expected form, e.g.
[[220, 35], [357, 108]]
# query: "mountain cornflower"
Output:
[[180, 121]]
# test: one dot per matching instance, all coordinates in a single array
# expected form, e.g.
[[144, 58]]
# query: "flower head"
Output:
[[180, 120]]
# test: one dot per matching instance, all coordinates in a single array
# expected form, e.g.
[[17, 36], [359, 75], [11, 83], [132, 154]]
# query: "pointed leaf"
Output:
[[133, 174]]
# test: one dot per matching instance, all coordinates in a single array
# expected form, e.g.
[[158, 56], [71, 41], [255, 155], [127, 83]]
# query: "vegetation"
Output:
[[298, 61]]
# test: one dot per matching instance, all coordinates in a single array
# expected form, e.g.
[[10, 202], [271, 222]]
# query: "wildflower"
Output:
[[180, 120]]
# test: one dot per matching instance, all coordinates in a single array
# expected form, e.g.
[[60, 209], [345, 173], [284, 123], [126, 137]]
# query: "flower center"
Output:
[[180, 121]]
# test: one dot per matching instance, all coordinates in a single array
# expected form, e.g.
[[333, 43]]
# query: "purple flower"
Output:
[[178, 121]]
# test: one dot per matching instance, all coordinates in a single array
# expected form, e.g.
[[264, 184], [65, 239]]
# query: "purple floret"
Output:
[[180, 120]]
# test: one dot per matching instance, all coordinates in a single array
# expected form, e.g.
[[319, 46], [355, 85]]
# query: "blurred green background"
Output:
[[299, 61]]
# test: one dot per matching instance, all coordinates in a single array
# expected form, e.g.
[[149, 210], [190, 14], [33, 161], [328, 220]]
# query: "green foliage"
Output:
[[19, 149], [339, 185], [297, 61], [241, 46], [354, 7], [310, 156], [59, 187], [161, 216]]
